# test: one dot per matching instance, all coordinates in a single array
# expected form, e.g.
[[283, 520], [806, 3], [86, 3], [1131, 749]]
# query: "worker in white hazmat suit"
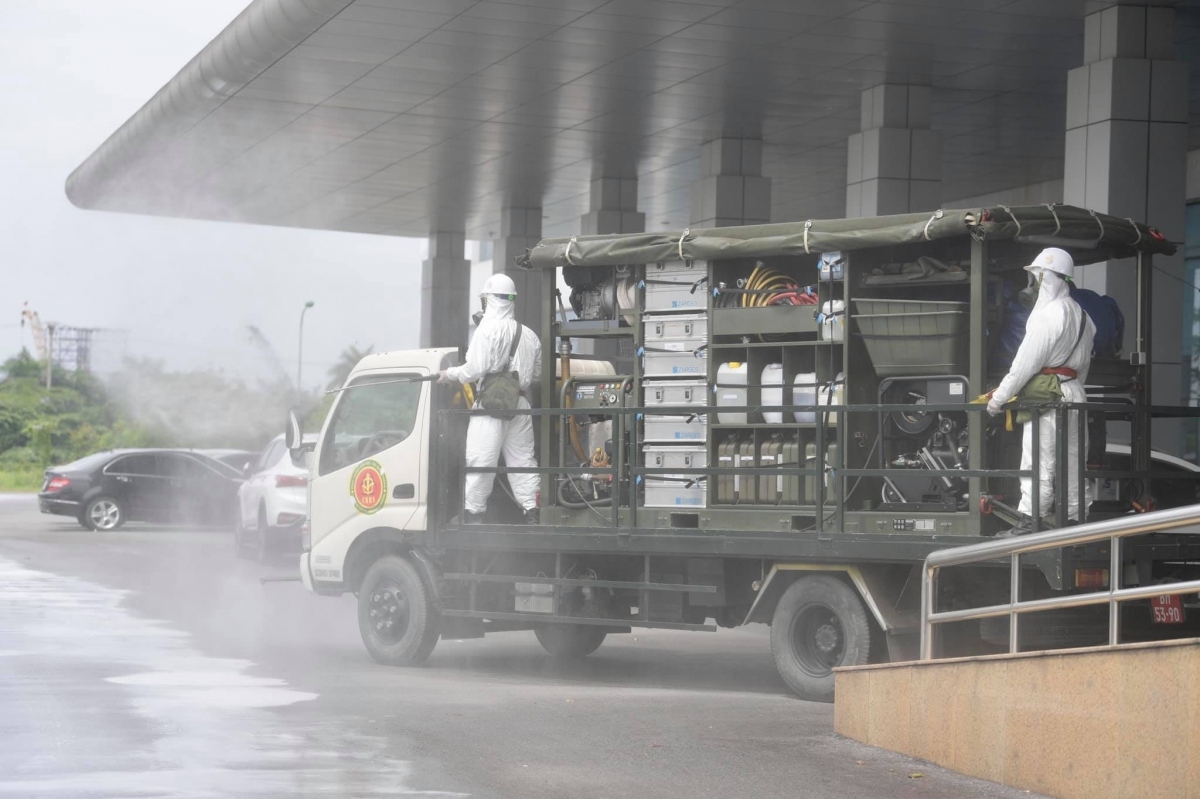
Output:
[[1058, 341], [489, 436]]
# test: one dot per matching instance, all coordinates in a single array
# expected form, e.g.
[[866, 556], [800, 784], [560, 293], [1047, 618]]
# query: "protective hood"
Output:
[[498, 309], [1053, 288]]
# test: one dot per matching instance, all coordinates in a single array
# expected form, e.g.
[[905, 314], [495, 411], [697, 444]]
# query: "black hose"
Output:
[[596, 503]]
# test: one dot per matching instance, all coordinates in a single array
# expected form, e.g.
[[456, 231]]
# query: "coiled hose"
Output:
[[763, 288]]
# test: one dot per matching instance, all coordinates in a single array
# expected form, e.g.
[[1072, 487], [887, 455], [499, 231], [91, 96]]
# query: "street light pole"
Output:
[[300, 347]]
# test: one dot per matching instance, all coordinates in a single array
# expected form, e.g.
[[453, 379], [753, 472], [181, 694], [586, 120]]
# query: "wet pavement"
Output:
[[152, 662]]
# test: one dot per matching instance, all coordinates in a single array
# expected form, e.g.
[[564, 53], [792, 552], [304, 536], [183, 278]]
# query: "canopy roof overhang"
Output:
[[403, 117]]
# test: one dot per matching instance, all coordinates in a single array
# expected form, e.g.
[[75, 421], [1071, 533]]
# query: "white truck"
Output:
[[664, 506]]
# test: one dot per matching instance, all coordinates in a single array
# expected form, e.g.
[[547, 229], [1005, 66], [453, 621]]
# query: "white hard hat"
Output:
[[501, 284], [1052, 259]]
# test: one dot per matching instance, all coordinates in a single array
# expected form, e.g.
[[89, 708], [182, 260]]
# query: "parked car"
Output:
[[240, 459], [107, 489], [273, 502], [1168, 493]]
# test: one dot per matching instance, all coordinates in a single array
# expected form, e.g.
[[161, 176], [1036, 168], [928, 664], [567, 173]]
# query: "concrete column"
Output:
[[1126, 155], [520, 229], [613, 208], [445, 292], [894, 165], [731, 189]]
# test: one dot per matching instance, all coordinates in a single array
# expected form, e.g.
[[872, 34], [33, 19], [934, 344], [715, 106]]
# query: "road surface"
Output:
[[152, 661]]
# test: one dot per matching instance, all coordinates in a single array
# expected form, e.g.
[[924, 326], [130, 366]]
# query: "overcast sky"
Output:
[[71, 72]]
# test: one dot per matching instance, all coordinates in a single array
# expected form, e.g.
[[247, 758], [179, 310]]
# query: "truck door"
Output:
[[369, 464]]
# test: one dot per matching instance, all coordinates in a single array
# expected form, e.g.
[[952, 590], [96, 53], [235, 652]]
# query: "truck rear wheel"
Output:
[[570, 641], [818, 624], [397, 615]]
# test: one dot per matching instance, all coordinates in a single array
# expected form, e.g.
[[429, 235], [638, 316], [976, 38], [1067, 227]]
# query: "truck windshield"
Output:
[[374, 414]]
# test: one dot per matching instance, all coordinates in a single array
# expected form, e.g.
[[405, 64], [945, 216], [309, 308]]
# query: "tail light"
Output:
[[290, 481], [57, 483], [1091, 578]]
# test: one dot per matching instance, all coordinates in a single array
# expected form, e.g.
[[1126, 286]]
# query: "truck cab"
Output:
[[370, 474]]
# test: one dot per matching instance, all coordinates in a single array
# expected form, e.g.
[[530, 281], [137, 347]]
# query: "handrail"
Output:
[[1112, 530]]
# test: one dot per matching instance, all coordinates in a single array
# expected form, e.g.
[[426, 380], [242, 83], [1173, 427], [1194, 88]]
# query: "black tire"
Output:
[[570, 641], [262, 540], [819, 623], [397, 613], [102, 513], [239, 537]]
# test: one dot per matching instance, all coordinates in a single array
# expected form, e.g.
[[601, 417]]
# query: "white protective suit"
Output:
[[488, 436], [1051, 340]]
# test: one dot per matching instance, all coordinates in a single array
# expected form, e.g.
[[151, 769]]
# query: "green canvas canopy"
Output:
[[1089, 237]]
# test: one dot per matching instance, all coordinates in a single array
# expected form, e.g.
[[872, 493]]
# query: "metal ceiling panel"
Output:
[[392, 116]]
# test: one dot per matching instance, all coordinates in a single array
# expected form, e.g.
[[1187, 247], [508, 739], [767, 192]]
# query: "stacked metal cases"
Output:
[[677, 287], [675, 345], [674, 383], [681, 490], [674, 419]]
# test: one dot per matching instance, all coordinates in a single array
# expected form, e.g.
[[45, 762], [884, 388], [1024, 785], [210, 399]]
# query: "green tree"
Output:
[[345, 365]]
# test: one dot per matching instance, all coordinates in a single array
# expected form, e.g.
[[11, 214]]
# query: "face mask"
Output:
[[1028, 295]]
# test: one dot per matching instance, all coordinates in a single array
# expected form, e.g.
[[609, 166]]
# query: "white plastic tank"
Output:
[[772, 391], [730, 389], [833, 321], [804, 392], [838, 388]]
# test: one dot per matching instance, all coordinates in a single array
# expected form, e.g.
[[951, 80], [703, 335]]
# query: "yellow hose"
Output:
[[761, 281]]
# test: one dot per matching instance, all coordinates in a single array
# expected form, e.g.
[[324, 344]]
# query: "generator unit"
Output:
[[915, 440]]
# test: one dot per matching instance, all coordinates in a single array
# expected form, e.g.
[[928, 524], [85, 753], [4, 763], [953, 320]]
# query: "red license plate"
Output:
[[1166, 609]]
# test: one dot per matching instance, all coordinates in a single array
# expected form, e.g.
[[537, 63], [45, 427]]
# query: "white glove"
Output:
[[444, 377], [994, 407]]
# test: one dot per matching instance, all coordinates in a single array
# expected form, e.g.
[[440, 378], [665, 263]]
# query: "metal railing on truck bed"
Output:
[[834, 481]]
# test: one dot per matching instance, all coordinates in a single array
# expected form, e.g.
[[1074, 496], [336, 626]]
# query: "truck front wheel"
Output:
[[570, 641], [397, 614], [818, 624]]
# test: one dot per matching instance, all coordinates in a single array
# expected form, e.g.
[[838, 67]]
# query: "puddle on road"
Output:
[[201, 723], [211, 688]]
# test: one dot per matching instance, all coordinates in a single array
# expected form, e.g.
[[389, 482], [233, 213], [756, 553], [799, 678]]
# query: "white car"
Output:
[[273, 502]]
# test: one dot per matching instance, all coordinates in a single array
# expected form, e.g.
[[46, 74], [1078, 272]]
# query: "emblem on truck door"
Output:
[[368, 486]]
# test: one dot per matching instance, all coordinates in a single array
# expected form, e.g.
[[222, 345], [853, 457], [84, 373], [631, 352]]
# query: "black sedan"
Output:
[[240, 459], [105, 490]]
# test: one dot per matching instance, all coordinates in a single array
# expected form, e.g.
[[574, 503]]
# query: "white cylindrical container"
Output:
[[772, 392], [838, 397], [833, 321], [804, 392], [585, 367], [731, 391]]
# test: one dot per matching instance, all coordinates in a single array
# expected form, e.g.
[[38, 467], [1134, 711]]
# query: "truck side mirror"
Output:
[[292, 437]]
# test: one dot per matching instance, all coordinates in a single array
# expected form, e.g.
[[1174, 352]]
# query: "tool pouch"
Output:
[[1040, 388], [499, 392]]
